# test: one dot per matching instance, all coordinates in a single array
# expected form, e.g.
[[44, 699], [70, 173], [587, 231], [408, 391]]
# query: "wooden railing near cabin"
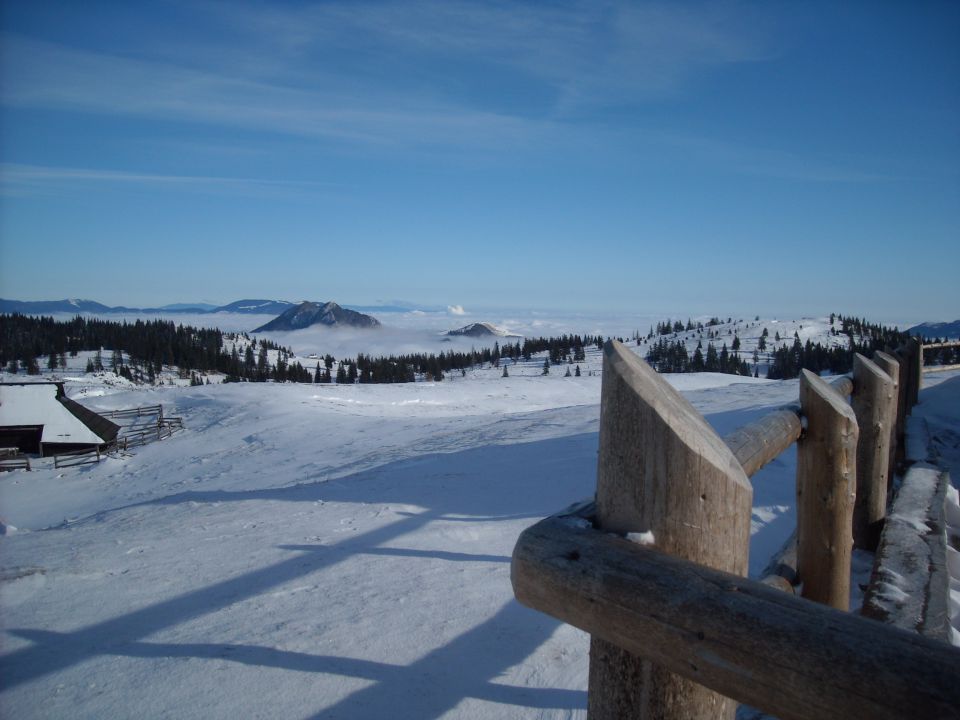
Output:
[[72, 458], [12, 459], [677, 630]]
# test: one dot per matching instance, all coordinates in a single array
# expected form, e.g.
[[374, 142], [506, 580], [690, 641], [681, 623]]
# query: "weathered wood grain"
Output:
[[916, 370], [873, 405], [781, 571], [843, 384], [891, 366], [903, 409], [756, 444], [826, 488], [787, 656], [663, 470]]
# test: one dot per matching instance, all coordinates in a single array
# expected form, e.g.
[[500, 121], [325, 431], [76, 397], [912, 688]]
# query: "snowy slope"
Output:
[[313, 551], [321, 550]]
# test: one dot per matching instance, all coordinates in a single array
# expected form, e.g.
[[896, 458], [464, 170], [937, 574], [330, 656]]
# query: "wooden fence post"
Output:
[[872, 402], [891, 367], [826, 488], [662, 470], [902, 356], [916, 370]]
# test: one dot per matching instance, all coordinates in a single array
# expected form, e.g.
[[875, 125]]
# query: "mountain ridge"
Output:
[[310, 313], [478, 330], [251, 306], [948, 330]]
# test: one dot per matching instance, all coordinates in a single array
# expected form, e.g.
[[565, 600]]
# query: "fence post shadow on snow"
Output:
[[654, 568]]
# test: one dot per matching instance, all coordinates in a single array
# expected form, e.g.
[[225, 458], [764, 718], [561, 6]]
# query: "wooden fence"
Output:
[[13, 459], [143, 433], [148, 425], [72, 458], [939, 346], [677, 631], [146, 410]]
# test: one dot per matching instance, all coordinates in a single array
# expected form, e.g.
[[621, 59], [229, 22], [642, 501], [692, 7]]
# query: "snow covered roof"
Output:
[[39, 404]]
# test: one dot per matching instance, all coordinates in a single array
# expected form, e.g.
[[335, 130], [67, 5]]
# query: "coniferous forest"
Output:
[[149, 346], [785, 362]]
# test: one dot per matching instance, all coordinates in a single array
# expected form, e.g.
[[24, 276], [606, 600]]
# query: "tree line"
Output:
[[665, 356], [862, 337], [151, 345], [148, 345]]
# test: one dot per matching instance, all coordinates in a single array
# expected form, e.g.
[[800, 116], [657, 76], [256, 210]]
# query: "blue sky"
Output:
[[771, 158]]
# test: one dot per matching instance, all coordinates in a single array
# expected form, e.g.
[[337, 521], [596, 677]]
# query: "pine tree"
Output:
[[576, 371], [546, 366], [262, 368], [712, 363], [505, 373], [567, 373], [697, 362]]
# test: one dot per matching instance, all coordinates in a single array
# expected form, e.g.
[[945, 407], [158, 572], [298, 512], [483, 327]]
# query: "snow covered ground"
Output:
[[320, 550]]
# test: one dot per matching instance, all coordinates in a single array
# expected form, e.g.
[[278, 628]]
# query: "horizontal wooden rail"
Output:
[[76, 457], [843, 385], [786, 656], [758, 443], [139, 427], [781, 572], [937, 346], [939, 368], [14, 462], [133, 412]]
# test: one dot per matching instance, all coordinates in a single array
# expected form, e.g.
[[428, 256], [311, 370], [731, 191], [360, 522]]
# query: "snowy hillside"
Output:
[[419, 331], [324, 550]]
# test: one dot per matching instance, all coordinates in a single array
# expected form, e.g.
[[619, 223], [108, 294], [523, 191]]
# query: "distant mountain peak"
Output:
[[479, 329], [949, 330], [310, 313]]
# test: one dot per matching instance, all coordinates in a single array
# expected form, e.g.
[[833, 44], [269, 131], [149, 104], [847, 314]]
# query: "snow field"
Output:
[[321, 550], [312, 551]]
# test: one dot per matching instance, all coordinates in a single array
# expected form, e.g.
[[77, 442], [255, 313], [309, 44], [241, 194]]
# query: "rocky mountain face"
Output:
[[478, 330], [307, 314]]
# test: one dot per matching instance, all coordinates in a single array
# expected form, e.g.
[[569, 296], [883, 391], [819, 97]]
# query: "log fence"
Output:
[[136, 435], [939, 346], [73, 458], [13, 459], [146, 410], [676, 630]]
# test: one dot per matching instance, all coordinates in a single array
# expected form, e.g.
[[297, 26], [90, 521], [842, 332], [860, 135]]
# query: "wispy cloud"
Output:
[[52, 76], [771, 163], [390, 73], [19, 179], [597, 52]]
